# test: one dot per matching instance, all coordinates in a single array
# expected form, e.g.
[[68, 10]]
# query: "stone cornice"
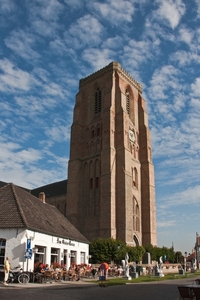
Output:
[[114, 66]]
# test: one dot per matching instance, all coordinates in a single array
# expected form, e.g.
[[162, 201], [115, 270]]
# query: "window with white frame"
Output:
[[82, 257], [40, 255], [54, 255], [2, 251]]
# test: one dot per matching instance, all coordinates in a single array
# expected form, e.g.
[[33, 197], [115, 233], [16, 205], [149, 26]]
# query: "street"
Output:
[[166, 290]]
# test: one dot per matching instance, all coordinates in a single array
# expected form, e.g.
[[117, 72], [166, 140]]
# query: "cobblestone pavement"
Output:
[[85, 290]]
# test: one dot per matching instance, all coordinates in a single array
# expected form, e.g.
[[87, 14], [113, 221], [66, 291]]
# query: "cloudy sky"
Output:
[[47, 46]]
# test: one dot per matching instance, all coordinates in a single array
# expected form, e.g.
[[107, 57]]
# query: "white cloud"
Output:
[[59, 47], [198, 8], [86, 31], [6, 6], [26, 167], [186, 35], [115, 12], [166, 223], [189, 196], [164, 79], [12, 154], [185, 58], [53, 89], [138, 52], [34, 105], [156, 32], [75, 4], [195, 103], [13, 78], [113, 42], [48, 10], [98, 58], [44, 17], [22, 43], [171, 11], [58, 132], [196, 88]]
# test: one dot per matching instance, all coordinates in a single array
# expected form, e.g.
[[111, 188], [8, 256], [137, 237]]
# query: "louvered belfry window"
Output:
[[97, 108], [128, 102]]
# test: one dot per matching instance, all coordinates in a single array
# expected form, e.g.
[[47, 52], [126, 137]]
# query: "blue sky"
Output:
[[47, 46]]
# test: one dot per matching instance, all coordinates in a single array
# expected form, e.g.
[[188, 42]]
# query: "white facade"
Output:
[[46, 249]]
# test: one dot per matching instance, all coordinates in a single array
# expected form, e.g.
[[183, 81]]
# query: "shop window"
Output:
[[54, 255], [2, 251], [40, 255], [65, 257], [73, 257], [82, 257]]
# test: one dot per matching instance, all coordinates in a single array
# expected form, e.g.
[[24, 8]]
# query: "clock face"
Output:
[[131, 135]]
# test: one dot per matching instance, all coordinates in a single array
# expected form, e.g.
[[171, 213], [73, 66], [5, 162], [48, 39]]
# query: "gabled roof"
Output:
[[51, 190], [2, 183], [20, 209]]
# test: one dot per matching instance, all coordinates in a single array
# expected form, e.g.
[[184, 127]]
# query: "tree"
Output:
[[157, 252], [106, 250], [135, 253]]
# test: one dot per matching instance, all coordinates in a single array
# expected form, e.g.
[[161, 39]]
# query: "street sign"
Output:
[[28, 244], [28, 253]]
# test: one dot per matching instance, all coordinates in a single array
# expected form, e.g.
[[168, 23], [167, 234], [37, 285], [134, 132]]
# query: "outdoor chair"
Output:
[[39, 277], [197, 281], [48, 276], [65, 275], [185, 293], [196, 291], [72, 275]]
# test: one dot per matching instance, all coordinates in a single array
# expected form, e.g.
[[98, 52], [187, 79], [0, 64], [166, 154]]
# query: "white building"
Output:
[[33, 231]]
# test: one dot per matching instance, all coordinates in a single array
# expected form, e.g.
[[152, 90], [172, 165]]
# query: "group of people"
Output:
[[41, 269]]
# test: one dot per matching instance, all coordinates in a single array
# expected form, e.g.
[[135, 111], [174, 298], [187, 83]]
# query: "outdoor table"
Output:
[[191, 287]]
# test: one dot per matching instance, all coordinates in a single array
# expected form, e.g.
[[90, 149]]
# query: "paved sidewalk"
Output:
[[60, 284]]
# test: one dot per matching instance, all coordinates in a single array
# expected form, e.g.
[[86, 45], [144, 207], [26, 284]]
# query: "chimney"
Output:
[[42, 196]]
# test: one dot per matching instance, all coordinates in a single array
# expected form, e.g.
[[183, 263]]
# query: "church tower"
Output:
[[110, 189]]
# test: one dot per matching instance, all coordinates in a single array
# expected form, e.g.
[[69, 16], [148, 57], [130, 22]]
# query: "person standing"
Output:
[[6, 270]]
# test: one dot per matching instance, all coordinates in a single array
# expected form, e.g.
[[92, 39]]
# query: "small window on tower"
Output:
[[127, 102], [97, 107], [91, 183], [98, 131], [97, 182]]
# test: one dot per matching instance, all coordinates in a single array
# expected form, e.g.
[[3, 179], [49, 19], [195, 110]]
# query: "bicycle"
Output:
[[19, 276]]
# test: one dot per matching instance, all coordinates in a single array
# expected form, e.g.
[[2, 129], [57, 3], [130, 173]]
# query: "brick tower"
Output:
[[110, 190]]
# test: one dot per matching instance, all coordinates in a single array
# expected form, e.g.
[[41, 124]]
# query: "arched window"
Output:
[[97, 107], [136, 215], [136, 240], [98, 131], [135, 177], [97, 182]]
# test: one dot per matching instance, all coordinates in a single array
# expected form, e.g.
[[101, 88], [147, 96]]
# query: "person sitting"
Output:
[[39, 273], [47, 267]]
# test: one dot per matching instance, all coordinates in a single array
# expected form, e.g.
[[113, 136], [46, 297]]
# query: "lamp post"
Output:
[[118, 251], [185, 261]]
